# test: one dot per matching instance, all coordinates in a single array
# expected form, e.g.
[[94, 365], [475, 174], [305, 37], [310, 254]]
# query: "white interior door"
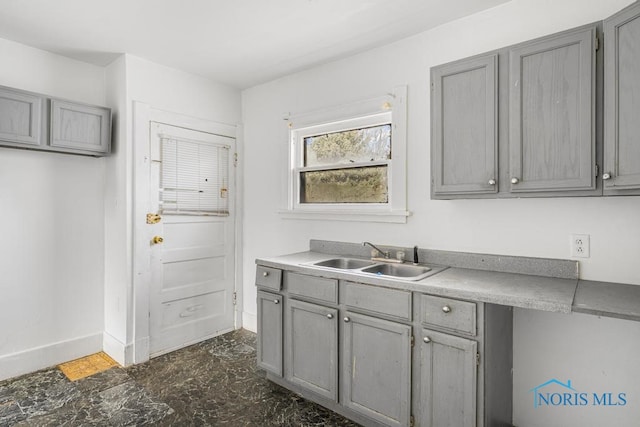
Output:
[[192, 246]]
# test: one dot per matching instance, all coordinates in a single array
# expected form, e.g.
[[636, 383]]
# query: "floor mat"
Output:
[[87, 366]]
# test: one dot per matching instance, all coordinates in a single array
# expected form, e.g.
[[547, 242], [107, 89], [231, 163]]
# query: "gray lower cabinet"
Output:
[[269, 340], [383, 356], [37, 122], [622, 102], [448, 380], [376, 373], [311, 348]]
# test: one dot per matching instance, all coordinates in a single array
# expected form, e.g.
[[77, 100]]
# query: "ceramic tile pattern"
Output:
[[213, 383]]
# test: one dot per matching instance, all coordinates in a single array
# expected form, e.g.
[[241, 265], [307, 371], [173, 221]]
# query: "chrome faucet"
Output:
[[385, 254]]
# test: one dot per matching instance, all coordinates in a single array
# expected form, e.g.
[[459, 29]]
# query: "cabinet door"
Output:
[[312, 348], [20, 118], [270, 332], [464, 143], [622, 101], [448, 380], [80, 127], [376, 375], [551, 120]]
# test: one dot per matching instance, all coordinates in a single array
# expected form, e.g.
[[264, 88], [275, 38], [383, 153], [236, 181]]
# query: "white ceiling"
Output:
[[236, 42]]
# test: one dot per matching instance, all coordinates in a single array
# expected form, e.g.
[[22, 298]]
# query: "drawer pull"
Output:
[[446, 309], [426, 339], [265, 274], [329, 316], [276, 301], [346, 320]]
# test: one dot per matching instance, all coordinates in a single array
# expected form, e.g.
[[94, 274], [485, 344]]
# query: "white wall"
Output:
[[546, 345], [51, 228], [135, 79]]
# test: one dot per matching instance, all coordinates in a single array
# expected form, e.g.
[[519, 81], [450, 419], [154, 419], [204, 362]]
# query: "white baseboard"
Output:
[[24, 362], [117, 350], [249, 321]]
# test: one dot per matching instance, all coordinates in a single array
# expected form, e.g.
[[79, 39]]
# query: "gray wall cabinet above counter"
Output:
[[527, 120], [38, 122], [621, 173]]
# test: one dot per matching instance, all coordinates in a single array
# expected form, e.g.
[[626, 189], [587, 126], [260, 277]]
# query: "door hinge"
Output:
[[234, 298], [597, 43], [412, 421], [413, 340], [478, 359], [597, 170], [235, 159]]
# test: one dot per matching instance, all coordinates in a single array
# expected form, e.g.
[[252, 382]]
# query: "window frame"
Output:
[[390, 108]]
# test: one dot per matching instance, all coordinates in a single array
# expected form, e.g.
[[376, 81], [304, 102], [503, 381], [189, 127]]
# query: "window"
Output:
[[350, 162], [194, 177]]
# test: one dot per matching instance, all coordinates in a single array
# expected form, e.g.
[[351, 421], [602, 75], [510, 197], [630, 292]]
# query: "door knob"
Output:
[[492, 181], [156, 240], [515, 180], [426, 339], [606, 176], [329, 316], [346, 320]]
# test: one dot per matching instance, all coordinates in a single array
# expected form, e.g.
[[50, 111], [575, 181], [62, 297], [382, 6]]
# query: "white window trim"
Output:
[[364, 113]]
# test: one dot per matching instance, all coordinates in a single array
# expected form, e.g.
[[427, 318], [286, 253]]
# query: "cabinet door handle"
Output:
[[276, 301], [426, 339], [329, 316], [446, 309], [492, 181], [265, 274], [346, 320], [515, 180], [606, 176]]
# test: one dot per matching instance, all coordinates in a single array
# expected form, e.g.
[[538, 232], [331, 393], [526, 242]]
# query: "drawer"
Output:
[[268, 277], [317, 288], [448, 313], [389, 302]]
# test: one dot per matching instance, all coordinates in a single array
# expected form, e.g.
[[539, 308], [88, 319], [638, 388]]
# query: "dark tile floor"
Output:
[[213, 383]]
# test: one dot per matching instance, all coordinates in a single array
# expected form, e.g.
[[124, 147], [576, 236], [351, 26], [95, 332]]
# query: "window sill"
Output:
[[398, 217]]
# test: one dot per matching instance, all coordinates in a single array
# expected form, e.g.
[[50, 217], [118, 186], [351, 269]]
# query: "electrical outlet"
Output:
[[580, 246]]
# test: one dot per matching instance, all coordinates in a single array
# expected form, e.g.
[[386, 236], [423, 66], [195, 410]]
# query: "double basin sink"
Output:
[[398, 271]]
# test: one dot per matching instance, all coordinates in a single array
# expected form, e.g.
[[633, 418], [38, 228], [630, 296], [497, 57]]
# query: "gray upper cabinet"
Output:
[[80, 127], [311, 343], [622, 102], [37, 122], [448, 380], [552, 113], [464, 126], [20, 118], [269, 340], [376, 375], [519, 121]]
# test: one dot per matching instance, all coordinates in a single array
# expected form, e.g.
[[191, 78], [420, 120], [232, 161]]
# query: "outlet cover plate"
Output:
[[580, 246]]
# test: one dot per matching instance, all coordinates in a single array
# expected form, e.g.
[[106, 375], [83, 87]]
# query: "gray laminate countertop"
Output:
[[608, 299], [517, 290]]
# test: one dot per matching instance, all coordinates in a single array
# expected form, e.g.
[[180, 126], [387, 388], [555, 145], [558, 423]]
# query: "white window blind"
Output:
[[194, 177]]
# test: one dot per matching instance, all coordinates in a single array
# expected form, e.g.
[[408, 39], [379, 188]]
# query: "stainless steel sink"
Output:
[[344, 263], [407, 272]]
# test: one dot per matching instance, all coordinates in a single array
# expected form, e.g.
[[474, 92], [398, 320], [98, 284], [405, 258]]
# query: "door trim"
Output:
[[143, 115]]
